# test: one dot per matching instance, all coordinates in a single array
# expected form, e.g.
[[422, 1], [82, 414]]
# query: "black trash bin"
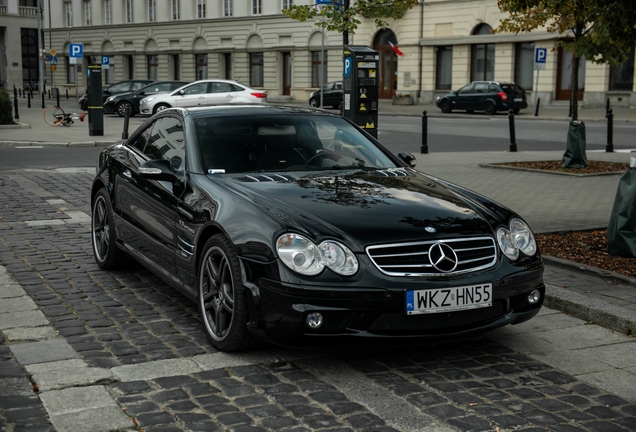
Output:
[[621, 230], [574, 156]]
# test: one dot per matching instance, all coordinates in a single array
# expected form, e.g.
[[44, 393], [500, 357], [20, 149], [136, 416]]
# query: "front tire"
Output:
[[160, 107], [107, 255], [121, 109], [445, 106], [314, 103], [220, 297]]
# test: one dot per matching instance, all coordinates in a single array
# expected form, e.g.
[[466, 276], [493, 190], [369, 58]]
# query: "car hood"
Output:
[[365, 208]]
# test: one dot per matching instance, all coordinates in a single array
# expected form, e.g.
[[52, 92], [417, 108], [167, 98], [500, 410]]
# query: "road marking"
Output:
[[30, 147]]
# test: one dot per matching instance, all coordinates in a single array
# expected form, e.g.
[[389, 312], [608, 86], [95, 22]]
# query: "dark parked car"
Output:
[[119, 103], [489, 96], [294, 226], [117, 88], [332, 95]]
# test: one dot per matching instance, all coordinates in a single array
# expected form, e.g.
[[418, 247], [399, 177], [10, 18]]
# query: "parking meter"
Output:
[[95, 101], [360, 79]]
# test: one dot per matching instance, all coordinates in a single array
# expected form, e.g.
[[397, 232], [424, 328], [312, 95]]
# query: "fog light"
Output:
[[534, 296], [314, 320]]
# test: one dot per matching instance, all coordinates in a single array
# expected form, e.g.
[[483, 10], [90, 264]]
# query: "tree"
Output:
[[341, 16], [601, 30]]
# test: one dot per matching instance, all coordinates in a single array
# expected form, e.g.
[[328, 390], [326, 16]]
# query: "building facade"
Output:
[[18, 44], [446, 44]]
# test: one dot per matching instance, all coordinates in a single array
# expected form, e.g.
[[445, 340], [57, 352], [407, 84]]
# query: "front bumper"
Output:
[[278, 312], [109, 108]]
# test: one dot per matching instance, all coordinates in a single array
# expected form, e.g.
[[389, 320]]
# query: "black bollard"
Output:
[[570, 113], [66, 93], [49, 93], [511, 124], [57, 97], [609, 148], [124, 134], [28, 100], [536, 108], [15, 104], [424, 147], [607, 107], [42, 99], [20, 92]]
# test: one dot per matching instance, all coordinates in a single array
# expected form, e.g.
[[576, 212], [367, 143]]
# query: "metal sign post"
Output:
[[76, 55], [540, 57]]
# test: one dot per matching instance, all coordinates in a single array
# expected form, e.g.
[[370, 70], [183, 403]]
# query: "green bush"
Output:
[[6, 108]]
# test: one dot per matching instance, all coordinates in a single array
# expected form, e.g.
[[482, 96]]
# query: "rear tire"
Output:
[[107, 255], [445, 106], [54, 115], [220, 297], [516, 110], [489, 108]]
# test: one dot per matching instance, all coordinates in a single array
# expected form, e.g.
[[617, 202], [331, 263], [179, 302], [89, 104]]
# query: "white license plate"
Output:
[[518, 99], [448, 299]]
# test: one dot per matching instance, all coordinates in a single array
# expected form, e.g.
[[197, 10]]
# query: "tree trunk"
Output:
[[575, 87]]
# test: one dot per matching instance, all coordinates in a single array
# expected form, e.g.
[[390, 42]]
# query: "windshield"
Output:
[[285, 143]]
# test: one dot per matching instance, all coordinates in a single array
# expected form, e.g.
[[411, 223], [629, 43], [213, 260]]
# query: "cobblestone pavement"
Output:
[[82, 349]]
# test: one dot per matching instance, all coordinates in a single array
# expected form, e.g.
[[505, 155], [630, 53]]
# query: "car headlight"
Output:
[[303, 256], [148, 99], [437, 98], [518, 238], [110, 99]]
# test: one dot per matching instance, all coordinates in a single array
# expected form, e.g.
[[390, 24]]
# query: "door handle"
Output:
[[127, 174]]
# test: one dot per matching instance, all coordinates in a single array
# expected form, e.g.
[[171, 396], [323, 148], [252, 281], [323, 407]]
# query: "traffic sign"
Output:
[[76, 50], [53, 61], [53, 52], [53, 68], [105, 62], [540, 57]]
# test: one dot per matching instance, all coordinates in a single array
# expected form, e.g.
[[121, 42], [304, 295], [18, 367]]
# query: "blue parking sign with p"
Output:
[[540, 55], [76, 50], [347, 66], [105, 60]]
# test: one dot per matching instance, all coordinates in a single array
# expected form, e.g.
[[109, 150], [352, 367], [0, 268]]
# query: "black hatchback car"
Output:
[[331, 95], [117, 88], [487, 96], [119, 103], [295, 226]]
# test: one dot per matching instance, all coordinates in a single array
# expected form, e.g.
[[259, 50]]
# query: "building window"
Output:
[[201, 8], [108, 12], [483, 62], [228, 7], [256, 7], [129, 11], [153, 66], [176, 9], [68, 13], [622, 75], [524, 64], [256, 70], [316, 79], [443, 67], [202, 66], [287, 4], [88, 13], [30, 66], [152, 10], [176, 67], [227, 57], [70, 71], [130, 63]]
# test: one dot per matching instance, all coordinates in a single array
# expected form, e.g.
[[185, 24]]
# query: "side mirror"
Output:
[[181, 92], [157, 169], [141, 93], [106, 91], [408, 159]]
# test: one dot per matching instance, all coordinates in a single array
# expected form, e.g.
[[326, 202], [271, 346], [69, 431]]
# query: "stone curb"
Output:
[[589, 270], [592, 310], [58, 143], [16, 126]]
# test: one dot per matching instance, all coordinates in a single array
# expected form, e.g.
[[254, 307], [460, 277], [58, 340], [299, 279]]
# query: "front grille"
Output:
[[447, 321], [424, 258]]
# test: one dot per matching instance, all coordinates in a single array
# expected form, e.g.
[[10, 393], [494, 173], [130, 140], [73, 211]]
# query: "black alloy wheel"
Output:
[[220, 297], [445, 106], [107, 255], [313, 102], [489, 108], [121, 109]]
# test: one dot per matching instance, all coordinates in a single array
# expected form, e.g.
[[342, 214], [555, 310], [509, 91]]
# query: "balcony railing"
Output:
[[28, 11]]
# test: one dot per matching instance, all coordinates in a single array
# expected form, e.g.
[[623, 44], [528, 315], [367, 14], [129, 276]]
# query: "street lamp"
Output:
[[40, 55]]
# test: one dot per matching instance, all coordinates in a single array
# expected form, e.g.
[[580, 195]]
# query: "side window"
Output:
[[481, 88], [142, 139], [166, 142], [200, 88], [119, 87], [221, 87], [466, 89], [161, 87], [137, 86]]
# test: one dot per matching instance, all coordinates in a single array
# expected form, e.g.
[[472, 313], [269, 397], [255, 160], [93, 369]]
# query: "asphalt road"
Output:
[[398, 133]]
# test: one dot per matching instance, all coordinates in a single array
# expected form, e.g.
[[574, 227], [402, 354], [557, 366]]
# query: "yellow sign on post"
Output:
[[53, 51], [54, 68]]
